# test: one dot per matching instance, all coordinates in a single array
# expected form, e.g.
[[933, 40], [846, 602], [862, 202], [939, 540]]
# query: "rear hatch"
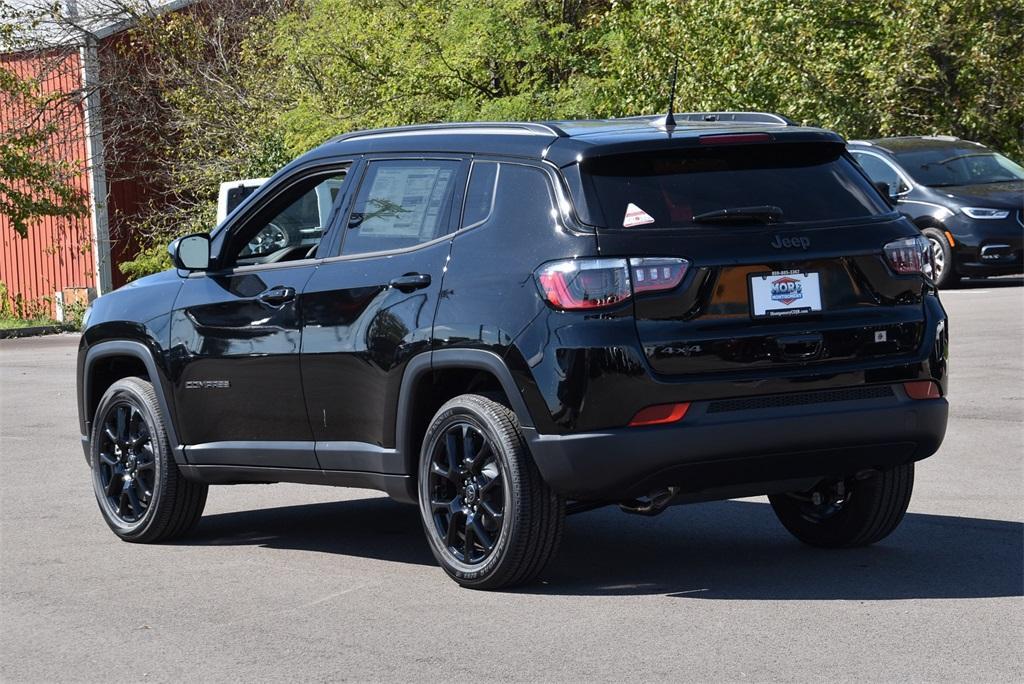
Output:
[[785, 250]]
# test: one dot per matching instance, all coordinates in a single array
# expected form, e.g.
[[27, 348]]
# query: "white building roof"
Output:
[[36, 24]]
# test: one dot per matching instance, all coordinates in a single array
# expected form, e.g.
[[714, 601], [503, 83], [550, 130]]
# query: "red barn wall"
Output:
[[58, 251]]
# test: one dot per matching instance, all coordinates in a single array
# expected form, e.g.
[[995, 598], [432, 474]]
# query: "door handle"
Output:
[[799, 347], [277, 295], [410, 282]]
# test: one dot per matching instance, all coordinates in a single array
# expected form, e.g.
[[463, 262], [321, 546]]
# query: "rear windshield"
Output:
[[958, 166], [798, 182]]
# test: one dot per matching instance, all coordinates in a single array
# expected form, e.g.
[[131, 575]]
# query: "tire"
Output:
[[870, 509], [142, 495], [945, 269], [491, 473]]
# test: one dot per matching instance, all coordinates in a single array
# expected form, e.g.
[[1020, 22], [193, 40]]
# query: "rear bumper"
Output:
[[715, 448]]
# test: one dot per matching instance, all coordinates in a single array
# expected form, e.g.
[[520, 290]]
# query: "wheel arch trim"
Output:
[[139, 351], [422, 365]]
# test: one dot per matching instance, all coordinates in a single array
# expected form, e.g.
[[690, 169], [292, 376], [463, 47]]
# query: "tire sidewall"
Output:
[[127, 392], [848, 526], [949, 269], [478, 572]]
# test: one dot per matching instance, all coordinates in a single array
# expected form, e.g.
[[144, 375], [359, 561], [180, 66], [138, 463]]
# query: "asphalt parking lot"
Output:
[[291, 582]]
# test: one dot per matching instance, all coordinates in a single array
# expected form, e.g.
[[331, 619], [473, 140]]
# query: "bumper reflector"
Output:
[[660, 414], [922, 389]]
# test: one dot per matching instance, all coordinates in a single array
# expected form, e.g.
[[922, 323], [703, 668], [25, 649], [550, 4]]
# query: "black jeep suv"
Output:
[[506, 322], [966, 199]]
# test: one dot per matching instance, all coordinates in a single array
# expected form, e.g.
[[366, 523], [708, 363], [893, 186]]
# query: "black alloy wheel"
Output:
[[127, 465], [467, 496], [490, 518], [140, 491]]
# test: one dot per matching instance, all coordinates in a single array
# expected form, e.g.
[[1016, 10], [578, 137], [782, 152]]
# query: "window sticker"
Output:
[[405, 201], [635, 216]]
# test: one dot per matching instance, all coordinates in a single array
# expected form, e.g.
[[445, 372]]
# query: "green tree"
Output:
[[208, 78], [862, 67], [350, 65], [249, 84]]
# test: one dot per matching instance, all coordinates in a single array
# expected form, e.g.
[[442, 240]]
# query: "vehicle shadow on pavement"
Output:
[[371, 528], [722, 550], [738, 550]]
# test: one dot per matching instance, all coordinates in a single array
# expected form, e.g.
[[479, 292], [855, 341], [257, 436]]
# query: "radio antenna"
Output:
[[670, 120]]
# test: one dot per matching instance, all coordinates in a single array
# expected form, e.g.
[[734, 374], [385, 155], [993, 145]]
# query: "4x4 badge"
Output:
[[780, 242]]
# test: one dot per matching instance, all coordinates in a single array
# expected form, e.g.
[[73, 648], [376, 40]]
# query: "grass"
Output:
[[8, 323]]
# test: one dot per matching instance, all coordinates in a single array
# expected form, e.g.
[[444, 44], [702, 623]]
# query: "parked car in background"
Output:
[[966, 199]]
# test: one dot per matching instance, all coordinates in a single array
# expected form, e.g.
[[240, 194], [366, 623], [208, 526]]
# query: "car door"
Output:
[[369, 309], [236, 329]]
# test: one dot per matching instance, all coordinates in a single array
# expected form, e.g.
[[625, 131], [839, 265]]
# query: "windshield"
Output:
[[938, 167], [742, 184]]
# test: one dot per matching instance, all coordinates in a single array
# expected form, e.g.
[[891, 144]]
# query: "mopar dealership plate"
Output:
[[784, 293]]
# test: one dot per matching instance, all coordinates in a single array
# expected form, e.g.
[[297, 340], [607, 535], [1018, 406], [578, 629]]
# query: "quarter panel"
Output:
[[490, 297]]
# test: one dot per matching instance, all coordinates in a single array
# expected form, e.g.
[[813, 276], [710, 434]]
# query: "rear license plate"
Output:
[[784, 293]]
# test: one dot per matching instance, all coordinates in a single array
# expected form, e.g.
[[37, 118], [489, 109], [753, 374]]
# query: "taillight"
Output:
[[576, 284], [581, 284], [910, 255], [654, 274]]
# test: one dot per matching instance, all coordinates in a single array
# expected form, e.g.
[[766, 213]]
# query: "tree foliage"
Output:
[[865, 68], [295, 74]]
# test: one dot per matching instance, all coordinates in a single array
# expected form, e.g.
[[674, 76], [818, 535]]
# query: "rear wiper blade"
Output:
[[766, 213]]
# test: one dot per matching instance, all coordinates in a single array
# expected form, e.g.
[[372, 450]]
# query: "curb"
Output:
[[31, 332]]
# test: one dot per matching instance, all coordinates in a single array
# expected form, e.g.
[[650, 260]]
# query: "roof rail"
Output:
[[737, 117], [516, 127]]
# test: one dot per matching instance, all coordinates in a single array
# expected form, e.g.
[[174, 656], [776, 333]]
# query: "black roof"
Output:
[[564, 142], [914, 143]]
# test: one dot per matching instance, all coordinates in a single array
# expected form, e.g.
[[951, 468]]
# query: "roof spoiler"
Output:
[[737, 117]]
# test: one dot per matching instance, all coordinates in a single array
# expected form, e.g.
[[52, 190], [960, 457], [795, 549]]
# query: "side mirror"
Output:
[[889, 191], [191, 252]]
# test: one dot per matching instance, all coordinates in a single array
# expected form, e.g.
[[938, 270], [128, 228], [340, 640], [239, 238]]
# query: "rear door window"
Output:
[[401, 203], [803, 182]]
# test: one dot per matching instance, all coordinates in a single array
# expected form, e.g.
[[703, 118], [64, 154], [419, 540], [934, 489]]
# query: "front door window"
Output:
[[291, 226]]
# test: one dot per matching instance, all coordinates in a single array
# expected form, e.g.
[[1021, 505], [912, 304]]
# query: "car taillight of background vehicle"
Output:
[[582, 284], [911, 255]]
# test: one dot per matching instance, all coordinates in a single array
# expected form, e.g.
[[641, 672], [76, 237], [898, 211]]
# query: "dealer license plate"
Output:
[[784, 293]]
